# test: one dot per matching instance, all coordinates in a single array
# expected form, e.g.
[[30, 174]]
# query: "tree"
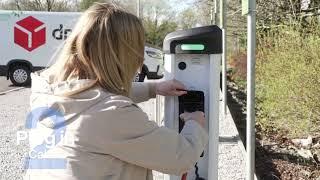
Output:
[[155, 33], [202, 10], [187, 19], [38, 5], [273, 13], [85, 4], [129, 5], [235, 23], [158, 19]]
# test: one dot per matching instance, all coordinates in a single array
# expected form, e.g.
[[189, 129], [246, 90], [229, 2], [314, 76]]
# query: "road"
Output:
[[6, 85]]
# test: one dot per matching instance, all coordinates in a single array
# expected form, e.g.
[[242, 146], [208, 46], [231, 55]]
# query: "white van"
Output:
[[30, 39], [153, 64]]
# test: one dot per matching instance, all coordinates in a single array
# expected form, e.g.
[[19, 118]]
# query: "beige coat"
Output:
[[108, 137]]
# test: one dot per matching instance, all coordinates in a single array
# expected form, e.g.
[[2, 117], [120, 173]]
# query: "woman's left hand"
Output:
[[170, 88]]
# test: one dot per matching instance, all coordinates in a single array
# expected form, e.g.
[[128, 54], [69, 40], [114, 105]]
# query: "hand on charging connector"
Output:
[[197, 116]]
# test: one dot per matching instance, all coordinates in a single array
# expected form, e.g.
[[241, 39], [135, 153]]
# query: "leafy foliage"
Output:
[[238, 69], [288, 81], [158, 19], [85, 4], [156, 33], [188, 19], [37, 5], [127, 4]]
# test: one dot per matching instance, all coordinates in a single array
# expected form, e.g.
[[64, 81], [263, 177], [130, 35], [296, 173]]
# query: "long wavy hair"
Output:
[[107, 46]]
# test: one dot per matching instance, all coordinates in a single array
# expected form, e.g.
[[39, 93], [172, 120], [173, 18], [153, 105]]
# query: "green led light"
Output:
[[192, 47]]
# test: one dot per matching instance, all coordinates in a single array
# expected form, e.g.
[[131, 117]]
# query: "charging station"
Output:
[[193, 57]]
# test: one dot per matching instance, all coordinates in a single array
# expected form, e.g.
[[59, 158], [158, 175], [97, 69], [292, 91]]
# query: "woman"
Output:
[[105, 136]]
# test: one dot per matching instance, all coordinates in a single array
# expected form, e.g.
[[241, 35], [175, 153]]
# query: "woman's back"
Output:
[[85, 105], [106, 136]]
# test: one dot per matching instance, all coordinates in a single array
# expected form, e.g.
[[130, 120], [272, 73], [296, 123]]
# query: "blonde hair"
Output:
[[107, 46]]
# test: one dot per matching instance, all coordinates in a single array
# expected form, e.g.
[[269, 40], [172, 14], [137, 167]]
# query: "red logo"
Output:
[[30, 33]]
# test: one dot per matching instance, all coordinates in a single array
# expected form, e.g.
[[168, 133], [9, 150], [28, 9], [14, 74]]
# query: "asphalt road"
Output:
[[6, 85]]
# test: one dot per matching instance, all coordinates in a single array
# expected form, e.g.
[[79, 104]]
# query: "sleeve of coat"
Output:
[[145, 144], [141, 91]]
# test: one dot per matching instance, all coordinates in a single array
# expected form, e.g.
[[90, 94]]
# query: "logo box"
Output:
[[30, 33]]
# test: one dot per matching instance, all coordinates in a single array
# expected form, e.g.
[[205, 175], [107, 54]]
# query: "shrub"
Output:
[[238, 69], [288, 81]]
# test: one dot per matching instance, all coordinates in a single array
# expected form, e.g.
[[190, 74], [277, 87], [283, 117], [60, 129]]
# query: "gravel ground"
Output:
[[14, 107], [13, 111], [231, 152]]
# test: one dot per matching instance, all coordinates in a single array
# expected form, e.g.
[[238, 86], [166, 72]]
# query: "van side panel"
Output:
[[33, 36]]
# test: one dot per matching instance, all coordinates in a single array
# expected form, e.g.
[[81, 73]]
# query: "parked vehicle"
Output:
[[30, 39], [153, 64]]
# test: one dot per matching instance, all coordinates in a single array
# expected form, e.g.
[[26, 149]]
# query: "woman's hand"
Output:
[[197, 116], [170, 88]]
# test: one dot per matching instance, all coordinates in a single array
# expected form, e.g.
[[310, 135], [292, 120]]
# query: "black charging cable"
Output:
[[197, 173]]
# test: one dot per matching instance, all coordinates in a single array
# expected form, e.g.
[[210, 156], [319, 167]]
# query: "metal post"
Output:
[[214, 118], [138, 8], [251, 90], [216, 12], [212, 13], [224, 56], [222, 14]]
